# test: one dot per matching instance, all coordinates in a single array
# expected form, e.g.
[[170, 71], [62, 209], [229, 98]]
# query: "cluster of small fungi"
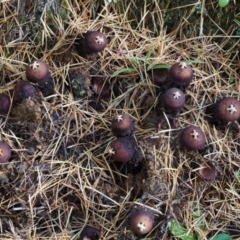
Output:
[[39, 84], [172, 84], [170, 103], [124, 150], [38, 76], [39, 81]]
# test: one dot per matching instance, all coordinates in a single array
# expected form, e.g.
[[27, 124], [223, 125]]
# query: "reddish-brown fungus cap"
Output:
[[122, 125], [101, 86], [23, 90], [192, 138], [173, 98], [207, 171], [5, 103], [228, 109], [90, 233], [123, 149], [5, 152], [36, 71], [141, 221], [159, 76], [181, 73], [95, 41]]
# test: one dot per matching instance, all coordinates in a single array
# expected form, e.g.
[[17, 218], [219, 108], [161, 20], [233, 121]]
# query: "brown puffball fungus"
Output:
[[23, 90], [37, 72], [181, 74], [95, 41], [207, 171], [91, 42], [159, 75], [90, 233], [227, 109], [5, 152], [122, 125], [141, 220], [123, 149], [173, 100], [192, 138], [5, 103]]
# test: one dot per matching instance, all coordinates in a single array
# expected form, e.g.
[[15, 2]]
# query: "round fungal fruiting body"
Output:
[[5, 103], [181, 74], [38, 72], [122, 125], [90, 233], [23, 90], [207, 171], [192, 138], [5, 152], [141, 221], [95, 41], [123, 149], [91, 42], [173, 100], [159, 76], [227, 109]]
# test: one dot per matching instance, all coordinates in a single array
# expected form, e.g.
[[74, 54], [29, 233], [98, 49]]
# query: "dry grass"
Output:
[[60, 177]]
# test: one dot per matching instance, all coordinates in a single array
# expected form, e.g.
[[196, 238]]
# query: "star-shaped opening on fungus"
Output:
[[34, 65], [176, 95], [183, 64], [231, 109], [99, 40], [119, 117], [141, 226], [111, 151], [1, 152], [195, 134], [86, 238]]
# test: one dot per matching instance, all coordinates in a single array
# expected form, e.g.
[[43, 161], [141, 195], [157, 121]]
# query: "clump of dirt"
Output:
[[31, 109], [80, 83]]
